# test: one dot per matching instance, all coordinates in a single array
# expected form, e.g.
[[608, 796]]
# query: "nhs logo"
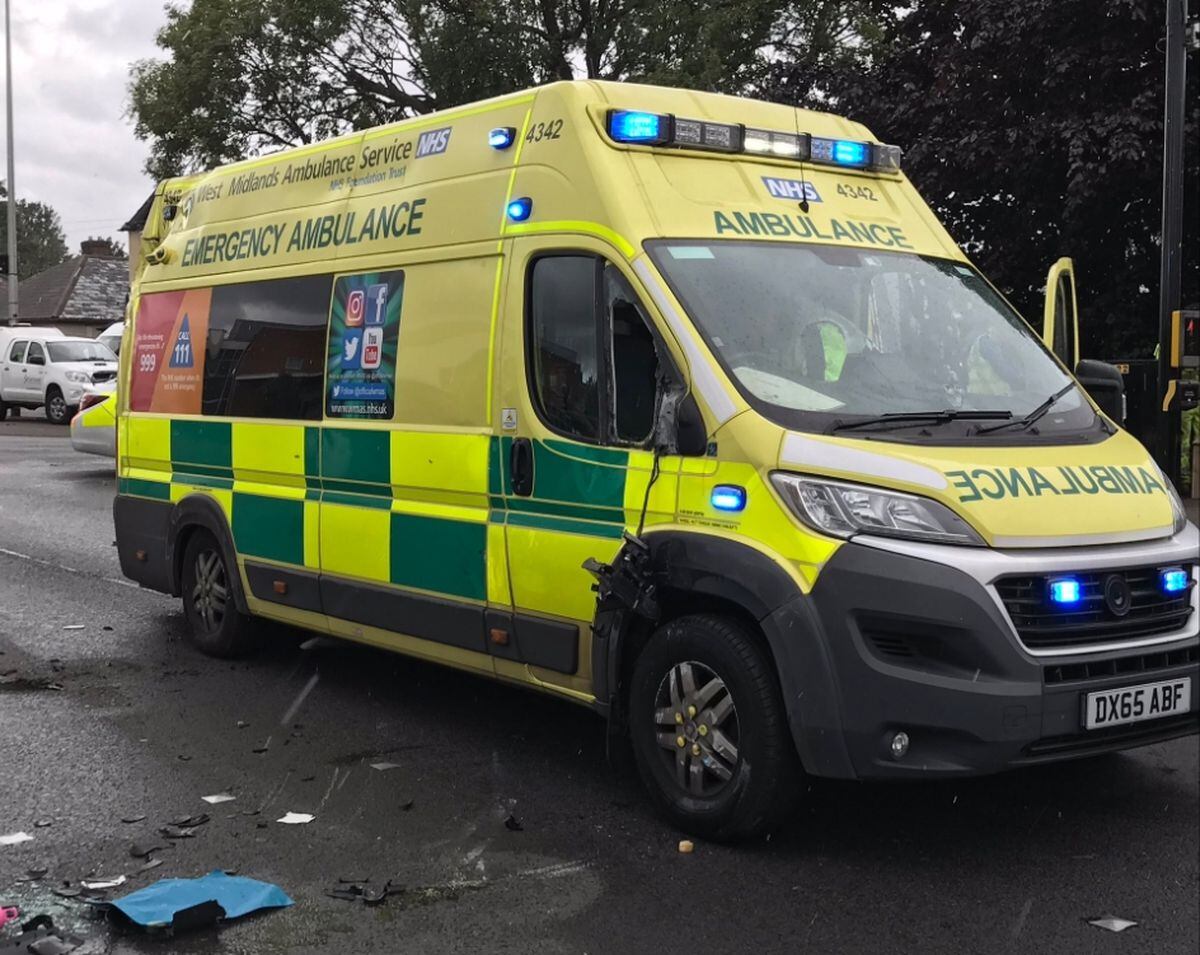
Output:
[[795, 189], [433, 142]]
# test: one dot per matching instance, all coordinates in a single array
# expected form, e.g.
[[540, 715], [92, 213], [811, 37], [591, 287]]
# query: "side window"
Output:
[[594, 370], [18, 352], [37, 355], [265, 349], [1064, 328], [563, 344]]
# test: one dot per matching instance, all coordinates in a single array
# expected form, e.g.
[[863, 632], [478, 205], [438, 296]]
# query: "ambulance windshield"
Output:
[[817, 337]]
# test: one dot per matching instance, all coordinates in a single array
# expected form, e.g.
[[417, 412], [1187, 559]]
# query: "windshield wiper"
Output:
[[902, 419], [1034, 416]]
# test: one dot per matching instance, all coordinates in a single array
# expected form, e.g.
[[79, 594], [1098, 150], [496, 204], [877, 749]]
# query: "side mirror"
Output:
[[1106, 386]]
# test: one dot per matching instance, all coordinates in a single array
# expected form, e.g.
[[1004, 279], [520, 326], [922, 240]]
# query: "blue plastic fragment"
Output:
[[156, 904]]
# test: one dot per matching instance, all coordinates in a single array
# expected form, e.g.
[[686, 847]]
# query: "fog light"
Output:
[[900, 745]]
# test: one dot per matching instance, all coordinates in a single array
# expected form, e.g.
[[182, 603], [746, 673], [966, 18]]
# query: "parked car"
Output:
[[43, 368], [111, 336], [94, 427]]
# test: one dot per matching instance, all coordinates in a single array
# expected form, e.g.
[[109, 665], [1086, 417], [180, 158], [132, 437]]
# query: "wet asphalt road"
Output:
[[144, 725]]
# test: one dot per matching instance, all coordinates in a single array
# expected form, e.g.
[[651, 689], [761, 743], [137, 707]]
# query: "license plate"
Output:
[[1132, 704]]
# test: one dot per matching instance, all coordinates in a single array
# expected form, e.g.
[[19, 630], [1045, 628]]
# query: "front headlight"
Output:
[[79, 377], [843, 510]]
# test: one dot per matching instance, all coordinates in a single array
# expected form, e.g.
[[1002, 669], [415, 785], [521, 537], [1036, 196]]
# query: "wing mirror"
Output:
[[1106, 386]]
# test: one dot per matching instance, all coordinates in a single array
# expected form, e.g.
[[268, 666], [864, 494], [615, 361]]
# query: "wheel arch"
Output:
[[694, 572], [200, 512]]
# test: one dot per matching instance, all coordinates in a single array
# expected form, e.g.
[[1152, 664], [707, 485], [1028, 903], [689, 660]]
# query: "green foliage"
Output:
[[40, 239], [1034, 128]]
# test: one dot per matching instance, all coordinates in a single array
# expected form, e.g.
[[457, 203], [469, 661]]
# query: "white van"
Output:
[[43, 368]]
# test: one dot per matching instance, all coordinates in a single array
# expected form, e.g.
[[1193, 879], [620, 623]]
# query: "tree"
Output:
[[40, 239], [1034, 129], [244, 76]]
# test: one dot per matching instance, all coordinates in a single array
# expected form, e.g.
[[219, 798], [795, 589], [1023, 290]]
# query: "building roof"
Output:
[[85, 288], [137, 221]]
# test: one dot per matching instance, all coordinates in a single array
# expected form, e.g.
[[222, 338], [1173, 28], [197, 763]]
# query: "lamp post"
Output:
[[12, 195]]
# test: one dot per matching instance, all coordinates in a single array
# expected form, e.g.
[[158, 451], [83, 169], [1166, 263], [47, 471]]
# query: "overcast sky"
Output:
[[75, 148]]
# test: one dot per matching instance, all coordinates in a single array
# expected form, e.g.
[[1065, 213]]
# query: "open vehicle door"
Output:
[[1060, 328]]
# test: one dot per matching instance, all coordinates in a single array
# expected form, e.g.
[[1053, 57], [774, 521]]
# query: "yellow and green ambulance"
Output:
[[678, 406]]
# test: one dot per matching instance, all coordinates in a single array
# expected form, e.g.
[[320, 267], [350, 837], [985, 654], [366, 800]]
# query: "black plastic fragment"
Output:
[[198, 916], [513, 824]]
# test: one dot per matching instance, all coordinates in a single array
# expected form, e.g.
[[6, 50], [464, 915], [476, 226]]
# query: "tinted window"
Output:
[[36, 355], [18, 352], [265, 350], [563, 346]]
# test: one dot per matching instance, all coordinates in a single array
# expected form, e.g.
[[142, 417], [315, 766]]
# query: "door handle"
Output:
[[520, 466]]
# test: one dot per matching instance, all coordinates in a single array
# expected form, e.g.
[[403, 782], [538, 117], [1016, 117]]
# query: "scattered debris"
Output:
[[105, 883], [15, 838], [66, 891], [8, 913], [176, 832], [74, 626], [40, 937], [151, 864], [183, 757], [354, 890], [513, 824], [143, 850], [686, 846], [43, 823], [262, 749], [218, 798], [130, 820], [384, 767], [32, 875], [1112, 923], [242, 724], [106, 628], [307, 779], [407, 805], [296, 818], [191, 822], [183, 904]]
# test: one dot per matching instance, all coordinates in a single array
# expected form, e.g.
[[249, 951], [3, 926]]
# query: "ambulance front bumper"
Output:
[[917, 639]]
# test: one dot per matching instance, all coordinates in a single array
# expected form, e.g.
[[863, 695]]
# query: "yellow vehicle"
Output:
[[428, 385]]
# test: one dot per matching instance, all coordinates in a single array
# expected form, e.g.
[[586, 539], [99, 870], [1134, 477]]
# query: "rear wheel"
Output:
[[215, 624], [57, 409], [709, 730]]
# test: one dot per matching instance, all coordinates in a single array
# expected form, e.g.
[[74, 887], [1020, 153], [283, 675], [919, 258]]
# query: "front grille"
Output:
[[1043, 626], [98, 376], [1141, 664]]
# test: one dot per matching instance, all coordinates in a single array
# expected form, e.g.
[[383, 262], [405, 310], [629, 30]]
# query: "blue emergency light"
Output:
[[1065, 591], [520, 209], [728, 497], [502, 137], [846, 152], [632, 126], [1174, 580]]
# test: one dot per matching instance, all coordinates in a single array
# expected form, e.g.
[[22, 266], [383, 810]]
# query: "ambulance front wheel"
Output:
[[709, 730], [215, 625]]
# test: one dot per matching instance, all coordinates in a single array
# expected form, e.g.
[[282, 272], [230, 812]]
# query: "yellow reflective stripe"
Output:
[[587, 228], [147, 442], [269, 453], [312, 535]]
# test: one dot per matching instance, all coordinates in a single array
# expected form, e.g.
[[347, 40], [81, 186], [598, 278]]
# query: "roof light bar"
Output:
[[646, 129], [637, 128]]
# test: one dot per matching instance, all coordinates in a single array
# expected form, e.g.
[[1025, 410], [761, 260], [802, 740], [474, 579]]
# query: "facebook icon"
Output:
[[377, 296]]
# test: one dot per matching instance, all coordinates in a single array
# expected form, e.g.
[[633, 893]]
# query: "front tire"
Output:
[[704, 680], [57, 409], [215, 624]]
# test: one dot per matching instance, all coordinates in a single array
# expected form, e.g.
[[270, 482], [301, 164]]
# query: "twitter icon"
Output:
[[352, 349]]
